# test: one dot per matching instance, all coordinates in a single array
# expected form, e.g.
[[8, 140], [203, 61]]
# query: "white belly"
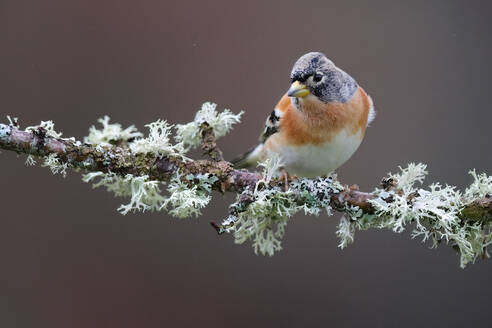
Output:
[[318, 160]]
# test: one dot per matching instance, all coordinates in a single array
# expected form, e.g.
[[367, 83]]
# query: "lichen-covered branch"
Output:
[[209, 144], [137, 167]]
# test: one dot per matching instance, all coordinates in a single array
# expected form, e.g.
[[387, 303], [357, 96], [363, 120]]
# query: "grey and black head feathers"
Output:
[[324, 80]]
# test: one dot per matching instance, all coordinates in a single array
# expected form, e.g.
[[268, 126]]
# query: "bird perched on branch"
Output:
[[318, 124]]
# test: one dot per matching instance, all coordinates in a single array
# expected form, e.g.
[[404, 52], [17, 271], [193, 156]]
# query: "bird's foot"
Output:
[[286, 177]]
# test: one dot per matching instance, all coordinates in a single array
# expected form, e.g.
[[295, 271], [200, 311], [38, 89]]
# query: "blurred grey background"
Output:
[[68, 259]]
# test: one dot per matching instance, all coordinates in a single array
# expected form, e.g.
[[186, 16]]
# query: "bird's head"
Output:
[[315, 75]]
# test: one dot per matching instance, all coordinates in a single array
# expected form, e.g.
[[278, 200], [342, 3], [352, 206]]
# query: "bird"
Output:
[[318, 124]]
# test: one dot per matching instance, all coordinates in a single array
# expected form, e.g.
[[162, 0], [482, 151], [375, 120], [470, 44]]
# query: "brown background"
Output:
[[68, 259]]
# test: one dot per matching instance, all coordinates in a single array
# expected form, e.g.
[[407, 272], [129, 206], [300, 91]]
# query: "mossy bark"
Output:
[[120, 160]]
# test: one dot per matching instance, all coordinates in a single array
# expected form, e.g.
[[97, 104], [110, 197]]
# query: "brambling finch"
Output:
[[318, 124]]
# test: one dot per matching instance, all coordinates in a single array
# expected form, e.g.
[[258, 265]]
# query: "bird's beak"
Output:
[[298, 90]]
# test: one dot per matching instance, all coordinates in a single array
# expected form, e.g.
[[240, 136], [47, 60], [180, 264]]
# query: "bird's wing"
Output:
[[251, 157], [272, 125]]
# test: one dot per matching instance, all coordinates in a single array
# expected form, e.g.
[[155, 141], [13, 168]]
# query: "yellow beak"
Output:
[[298, 90]]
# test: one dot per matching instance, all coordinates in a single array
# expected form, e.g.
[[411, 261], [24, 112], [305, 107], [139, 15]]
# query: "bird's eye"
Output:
[[317, 77]]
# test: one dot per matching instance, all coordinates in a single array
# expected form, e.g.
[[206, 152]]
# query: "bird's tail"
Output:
[[249, 158]]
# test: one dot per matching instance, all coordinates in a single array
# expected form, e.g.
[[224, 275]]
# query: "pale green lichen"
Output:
[[410, 175], [221, 123], [347, 225], [345, 232], [433, 213], [55, 165], [186, 201], [30, 161], [315, 193], [5, 131], [261, 214], [48, 126], [264, 222], [111, 133], [13, 121], [481, 186], [144, 194], [158, 142], [204, 181], [264, 218]]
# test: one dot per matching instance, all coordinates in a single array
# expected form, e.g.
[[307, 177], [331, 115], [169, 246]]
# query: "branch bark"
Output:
[[209, 144], [120, 160]]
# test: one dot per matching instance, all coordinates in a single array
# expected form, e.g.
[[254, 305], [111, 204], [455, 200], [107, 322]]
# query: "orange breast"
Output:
[[319, 122]]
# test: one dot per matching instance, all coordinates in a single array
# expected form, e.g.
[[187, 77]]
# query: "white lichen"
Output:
[[260, 214], [144, 194], [185, 201], [316, 193], [264, 218], [221, 123], [433, 213], [410, 175], [204, 181], [55, 165], [49, 128], [345, 232], [271, 168], [158, 141], [30, 161], [13, 121], [111, 133], [481, 186]]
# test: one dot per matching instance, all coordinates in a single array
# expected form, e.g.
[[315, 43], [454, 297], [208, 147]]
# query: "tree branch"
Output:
[[122, 161], [130, 165], [209, 144]]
